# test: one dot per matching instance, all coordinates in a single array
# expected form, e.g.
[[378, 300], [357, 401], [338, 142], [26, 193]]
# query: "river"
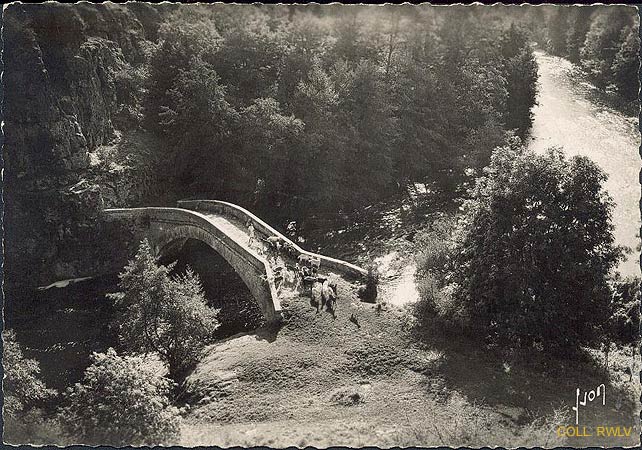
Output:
[[571, 113]]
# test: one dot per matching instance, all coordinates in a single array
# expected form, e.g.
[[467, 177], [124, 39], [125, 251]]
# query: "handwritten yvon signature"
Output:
[[589, 396]]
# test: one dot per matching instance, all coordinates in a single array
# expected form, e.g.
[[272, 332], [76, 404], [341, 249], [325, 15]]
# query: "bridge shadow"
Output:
[[268, 333]]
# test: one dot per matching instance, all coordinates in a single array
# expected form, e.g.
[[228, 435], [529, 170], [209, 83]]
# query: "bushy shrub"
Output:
[[163, 314], [122, 400], [24, 394], [534, 250], [368, 292], [433, 277], [22, 387], [435, 249]]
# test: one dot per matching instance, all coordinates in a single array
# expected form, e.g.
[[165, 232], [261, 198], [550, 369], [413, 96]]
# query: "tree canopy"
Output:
[[122, 400], [162, 314], [534, 249], [603, 40], [332, 110]]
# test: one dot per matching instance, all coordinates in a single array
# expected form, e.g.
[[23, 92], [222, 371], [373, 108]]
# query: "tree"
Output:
[[197, 121], [521, 78], [580, 22], [557, 29], [250, 56], [624, 317], [626, 63], [352, 44], [534, 249], [369, 130], [163, 314], [180, 41], [24, 393], [122, 400], [319, 163], [269, 144], [601, 44]]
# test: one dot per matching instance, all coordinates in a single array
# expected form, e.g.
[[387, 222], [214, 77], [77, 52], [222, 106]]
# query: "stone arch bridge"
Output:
[[222, 226]]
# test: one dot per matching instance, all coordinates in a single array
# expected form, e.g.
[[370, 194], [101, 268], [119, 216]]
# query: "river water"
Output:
[[571, 114], [574, 115]]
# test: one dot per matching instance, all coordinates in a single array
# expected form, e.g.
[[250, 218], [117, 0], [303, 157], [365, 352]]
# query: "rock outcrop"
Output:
[[63, 76]]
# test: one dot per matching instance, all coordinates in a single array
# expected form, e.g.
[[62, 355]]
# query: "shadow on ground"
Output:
[[538, 385]]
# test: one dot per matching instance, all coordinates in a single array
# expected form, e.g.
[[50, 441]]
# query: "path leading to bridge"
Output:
[[223, 226]]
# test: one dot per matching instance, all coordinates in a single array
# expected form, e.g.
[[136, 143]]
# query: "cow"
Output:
[[329, 295], [303, 260], [315, 264], [275, 242], [312, 262], [290, 277], [307, 283], [289, 249]]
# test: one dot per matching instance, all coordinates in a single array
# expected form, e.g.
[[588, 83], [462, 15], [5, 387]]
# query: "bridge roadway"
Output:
[[222, 226]]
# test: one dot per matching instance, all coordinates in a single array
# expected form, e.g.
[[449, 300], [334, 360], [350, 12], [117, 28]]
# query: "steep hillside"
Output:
[[66, 85], [325, 381]]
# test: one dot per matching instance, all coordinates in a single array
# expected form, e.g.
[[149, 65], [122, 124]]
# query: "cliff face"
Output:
[[62, 65]]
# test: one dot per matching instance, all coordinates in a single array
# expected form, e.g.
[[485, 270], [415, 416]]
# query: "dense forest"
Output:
[[603, 41], [400, 94], [287, 110], [299, 112], [276, 108]]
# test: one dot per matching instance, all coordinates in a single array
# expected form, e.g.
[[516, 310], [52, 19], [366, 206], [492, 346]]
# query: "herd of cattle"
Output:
[[297, 271]]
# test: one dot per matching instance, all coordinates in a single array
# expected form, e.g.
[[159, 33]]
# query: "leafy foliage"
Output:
[[122, 400], [624, 317], [521, 78], [626, 64], [25, 397], [601, 45], [300, 104], [368, 292], [534, 249], [23, 389], [603, 40], [580, 23], [158, 313]]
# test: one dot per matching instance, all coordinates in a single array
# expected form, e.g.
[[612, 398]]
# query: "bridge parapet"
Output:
[[210, 221], [177, 217], [243, 215], [166, 225]]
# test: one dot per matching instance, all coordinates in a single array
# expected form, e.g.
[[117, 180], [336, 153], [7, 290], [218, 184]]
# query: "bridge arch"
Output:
[[252, 274], [222, 285], [223, 227], [168, 228]]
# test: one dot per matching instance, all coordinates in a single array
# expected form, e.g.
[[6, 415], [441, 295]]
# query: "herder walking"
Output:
[[251, 234]]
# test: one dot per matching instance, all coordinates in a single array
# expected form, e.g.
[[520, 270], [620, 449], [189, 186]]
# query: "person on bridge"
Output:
[[258, 190], [251, 234]]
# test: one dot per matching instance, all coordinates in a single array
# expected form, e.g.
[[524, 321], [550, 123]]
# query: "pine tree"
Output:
[[626, 64], [557, 30], [579, 25]]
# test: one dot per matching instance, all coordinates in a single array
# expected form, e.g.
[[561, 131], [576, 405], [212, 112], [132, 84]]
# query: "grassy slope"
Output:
[[323, 381]]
